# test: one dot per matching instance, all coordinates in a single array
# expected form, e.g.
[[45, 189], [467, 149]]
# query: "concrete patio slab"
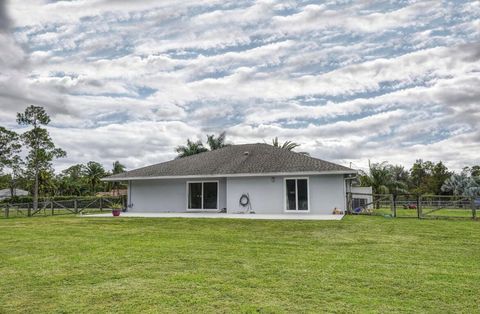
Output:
[[221, 215]]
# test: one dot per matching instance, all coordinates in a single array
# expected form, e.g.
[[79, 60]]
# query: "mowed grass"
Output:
[[429, 212], [360, 264]]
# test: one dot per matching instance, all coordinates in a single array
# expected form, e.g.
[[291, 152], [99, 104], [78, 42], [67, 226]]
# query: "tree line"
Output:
[[424, 177], [29, 157], [34, 172]]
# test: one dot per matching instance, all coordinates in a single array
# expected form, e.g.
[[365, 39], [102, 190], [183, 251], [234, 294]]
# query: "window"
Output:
[[359, 202], [202, 195], [296, 194]]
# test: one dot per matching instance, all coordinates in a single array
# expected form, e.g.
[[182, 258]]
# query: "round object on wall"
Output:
[[244, 200]]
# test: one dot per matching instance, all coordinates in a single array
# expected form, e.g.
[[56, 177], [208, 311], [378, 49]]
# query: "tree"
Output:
[[9, 148], [217, 142], [94, 172], [378, 177], [288, 145], [428, 177], [420, 174], [385, 178], [398, 180], [71, 181], [47, 184], [17, 175], [42, 150], [399, 173], [475, 171], [191, 148], [463, 184], [439, 174], [117, 168]]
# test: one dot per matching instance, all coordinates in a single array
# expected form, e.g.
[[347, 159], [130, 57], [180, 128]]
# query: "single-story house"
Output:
[[7, 193], [254, 178]]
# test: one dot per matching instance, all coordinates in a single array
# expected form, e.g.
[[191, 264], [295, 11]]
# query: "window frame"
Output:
[[202, 182], [296, 210]]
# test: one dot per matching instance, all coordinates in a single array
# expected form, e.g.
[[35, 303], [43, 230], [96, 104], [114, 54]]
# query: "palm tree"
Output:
[[462, 184], [217, 142], [94, 172], [398, 182], [288, 145], [117, 168], [378, 177], [192, 148]]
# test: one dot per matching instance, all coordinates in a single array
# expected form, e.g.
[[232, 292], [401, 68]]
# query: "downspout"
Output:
[[350, 185], [348, 188], [130, 204]]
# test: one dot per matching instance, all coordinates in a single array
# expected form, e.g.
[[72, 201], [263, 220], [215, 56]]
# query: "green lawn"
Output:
[[359, 264], [428, 212]]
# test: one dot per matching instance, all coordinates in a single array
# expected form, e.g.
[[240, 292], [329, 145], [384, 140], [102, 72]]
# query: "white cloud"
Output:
[[130, 80]]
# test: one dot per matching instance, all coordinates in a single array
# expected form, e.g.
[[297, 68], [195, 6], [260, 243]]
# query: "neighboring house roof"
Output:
[[235, 160], [5, 193]]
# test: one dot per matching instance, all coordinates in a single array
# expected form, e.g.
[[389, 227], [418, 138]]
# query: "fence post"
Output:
[[51, 207], [419, 206], [101, 203], [7, 209], [29, 210], [393, 200], [75, 205], [474, 211], [349, 202]]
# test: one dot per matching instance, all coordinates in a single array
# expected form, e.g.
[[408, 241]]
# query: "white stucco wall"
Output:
[[327, 192], [165, 195], [267, 196]]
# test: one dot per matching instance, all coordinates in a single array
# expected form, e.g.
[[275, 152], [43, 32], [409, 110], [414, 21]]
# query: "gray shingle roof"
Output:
[[236, 159]]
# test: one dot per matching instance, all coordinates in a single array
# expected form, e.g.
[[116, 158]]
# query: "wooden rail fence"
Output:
[[60, 207], [413, 205]]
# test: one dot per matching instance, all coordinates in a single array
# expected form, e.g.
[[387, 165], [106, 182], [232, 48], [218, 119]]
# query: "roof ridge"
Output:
[[262, 158]]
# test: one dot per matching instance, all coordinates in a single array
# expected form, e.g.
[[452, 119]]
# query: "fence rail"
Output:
[[413, 205], [52, 207]]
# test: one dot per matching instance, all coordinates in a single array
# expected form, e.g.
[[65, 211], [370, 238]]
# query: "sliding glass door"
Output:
[[296, 194], [202, 195], [195, 195]]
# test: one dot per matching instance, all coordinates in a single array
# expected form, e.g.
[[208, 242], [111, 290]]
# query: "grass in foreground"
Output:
[[428, 212], [360, 264]]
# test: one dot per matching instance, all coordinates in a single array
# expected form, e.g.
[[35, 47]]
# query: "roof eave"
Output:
[[232, 175]]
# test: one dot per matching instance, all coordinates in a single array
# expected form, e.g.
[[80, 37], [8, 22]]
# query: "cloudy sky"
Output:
[[349, 80]]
